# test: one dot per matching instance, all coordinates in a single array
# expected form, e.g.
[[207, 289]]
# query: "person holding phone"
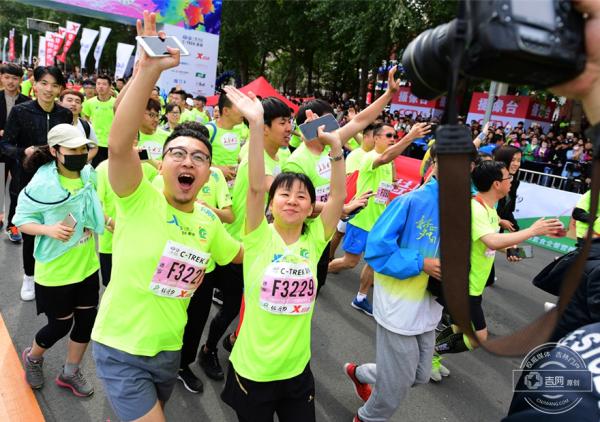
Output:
[[60, 207], [270, 364], [311, 157], [375, 175], [139, 329]]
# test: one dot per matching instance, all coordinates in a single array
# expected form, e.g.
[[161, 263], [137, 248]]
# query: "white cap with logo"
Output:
[[68, 136]]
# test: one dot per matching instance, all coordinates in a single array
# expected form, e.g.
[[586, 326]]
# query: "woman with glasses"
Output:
[[164, 243], [171, 117]]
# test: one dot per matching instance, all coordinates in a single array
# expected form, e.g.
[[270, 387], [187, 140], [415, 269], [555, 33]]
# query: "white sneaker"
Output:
[[28, 288], [549, 306], [444, 371], [436, 375]]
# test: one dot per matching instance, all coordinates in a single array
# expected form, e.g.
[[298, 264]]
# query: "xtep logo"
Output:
[[202, 56]]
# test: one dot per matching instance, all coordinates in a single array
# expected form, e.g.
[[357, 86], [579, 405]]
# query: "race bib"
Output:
[[230, 141], [180, 271], [322, 193], [383, 193], [154, 150], [490, 253], [87, 235], [287, 289], [324, 167]]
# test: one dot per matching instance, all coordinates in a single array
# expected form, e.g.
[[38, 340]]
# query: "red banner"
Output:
[[69, 39], [408, 175], [53, 44], [409, 105], [11, 46]]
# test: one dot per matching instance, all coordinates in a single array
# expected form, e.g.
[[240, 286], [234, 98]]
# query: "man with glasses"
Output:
[[492, 181], [151, 137], [376, 174]]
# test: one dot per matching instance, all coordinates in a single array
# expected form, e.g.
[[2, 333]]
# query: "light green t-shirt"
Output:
[[107, 197], [225, 145], [153, 143], [200, 116], [187, 116], [280, 286], [484, 220], [214, 192], [243, 132], [240, 193], [354, 159], [352, 144], [283, 154], [160, 257], [75, 265], [584, 204], [316, 167], [380, 182], [101, 114]]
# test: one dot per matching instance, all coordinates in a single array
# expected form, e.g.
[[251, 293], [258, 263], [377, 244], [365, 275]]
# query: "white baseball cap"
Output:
[[68, 136]]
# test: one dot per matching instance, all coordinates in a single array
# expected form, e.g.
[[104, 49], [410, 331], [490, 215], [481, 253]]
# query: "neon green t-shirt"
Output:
[[243, 132], [225, 145], [584, 204], [75, 265], [316, 167], [187, 116], [240, 193], [380, 182], [354, 159], [352, 144], [280, 287], [107, 198], [160, 257], [200, 116], [284, 155], [101, 114], [484, 220], [26, 87], [214, 192], [153, 143]]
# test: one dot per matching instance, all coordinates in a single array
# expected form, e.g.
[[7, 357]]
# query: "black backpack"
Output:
[[86, 127], [553, 274]]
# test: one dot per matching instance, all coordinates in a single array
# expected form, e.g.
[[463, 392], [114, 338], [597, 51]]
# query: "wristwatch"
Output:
[[337, 157]]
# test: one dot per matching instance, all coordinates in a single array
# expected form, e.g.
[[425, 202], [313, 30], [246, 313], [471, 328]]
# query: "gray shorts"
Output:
[[133, 383]]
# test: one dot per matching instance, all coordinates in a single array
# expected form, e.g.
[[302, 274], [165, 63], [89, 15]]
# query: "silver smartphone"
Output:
[[157, 47], [70, 221]]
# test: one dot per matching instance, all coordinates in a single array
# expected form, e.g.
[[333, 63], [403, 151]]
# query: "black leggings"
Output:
[[230, 280], [197, 313], [28, 260]]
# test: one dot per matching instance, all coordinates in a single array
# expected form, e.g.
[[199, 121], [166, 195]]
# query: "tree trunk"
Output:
[[364, 81], [263, 63], [293, 72], [309, 72]]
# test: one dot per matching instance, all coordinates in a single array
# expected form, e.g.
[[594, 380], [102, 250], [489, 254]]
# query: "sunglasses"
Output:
[[391, 135]]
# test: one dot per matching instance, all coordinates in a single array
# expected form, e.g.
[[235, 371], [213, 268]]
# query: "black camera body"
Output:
[[532, 42]]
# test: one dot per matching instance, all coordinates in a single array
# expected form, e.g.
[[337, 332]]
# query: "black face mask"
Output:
[[75, 162]]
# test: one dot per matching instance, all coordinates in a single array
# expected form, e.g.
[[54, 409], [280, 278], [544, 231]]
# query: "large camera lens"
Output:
[[425, 61]]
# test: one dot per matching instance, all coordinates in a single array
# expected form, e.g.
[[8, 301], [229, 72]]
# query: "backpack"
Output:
[[86, 127], [553, 274], [214, 126]]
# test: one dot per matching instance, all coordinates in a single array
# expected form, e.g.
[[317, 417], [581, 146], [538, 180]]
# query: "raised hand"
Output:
[[393, 84], [249, 105], [329, 138], [147, 28], [419, 130]]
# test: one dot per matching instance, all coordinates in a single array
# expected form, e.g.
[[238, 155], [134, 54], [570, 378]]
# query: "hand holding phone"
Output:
[[69, 221], [154, 46], [309, 129]]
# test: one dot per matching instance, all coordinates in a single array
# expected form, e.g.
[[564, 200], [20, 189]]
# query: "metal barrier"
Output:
[[544, 179]]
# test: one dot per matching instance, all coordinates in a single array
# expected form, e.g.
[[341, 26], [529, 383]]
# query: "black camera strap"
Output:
[[454, 147]]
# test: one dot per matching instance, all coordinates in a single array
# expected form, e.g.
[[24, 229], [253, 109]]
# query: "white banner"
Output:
[[197, 72], [42, 51], [124, 52], [535, 201], [30, 50], [104, 31], [4, 49], [87, 39], [503, 120], [24, 39], [414, 111]]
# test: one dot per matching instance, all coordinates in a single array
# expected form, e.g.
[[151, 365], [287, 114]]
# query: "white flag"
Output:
[[24, 39], [73, 27], [123, 54], [42, 51], [30, 49], [4, 49], [87, 39], [104, 31]]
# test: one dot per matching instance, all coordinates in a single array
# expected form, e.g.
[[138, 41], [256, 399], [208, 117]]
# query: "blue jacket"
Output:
[[406, 233], [45, 201]]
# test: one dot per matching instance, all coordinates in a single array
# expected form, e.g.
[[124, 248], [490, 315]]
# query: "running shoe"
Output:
[[217, 297], [437, 369], [227, 344], [356, 418], [363, 391], [190, 381], [34, 373], [28, 288], [13, 234], [76, 383], [209, 362], [362, 305]]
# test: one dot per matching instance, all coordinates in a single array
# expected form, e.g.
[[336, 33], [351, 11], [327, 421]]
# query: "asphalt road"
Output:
[[479, 388]]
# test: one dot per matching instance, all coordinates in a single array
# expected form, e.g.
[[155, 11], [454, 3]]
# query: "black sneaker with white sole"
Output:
[[190, 381], [209, 362]]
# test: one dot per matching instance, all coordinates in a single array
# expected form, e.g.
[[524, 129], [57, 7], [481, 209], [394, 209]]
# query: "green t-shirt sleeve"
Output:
[[85, 109], [584, 201], [258, 237], [149, 171], [366, 164], [222, 190], [143, 196], [223, 247], [480, 225], [293, 166]]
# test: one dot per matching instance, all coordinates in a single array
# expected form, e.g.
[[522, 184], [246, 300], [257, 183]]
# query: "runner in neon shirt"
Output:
[[198, 111], [376, 174], [100, 112], [270, 363], [139, 329]]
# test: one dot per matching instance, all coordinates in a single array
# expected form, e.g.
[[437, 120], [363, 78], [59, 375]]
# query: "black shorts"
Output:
[[59, 302], [477, 317], [293, 400]]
